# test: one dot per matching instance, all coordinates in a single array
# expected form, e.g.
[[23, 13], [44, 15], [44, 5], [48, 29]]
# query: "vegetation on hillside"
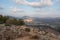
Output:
[[10, 21]]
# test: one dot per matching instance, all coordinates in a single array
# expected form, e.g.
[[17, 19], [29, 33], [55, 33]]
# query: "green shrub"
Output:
[[27, 29], [20, 22]]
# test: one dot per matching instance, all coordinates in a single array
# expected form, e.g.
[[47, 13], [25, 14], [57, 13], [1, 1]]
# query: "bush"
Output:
[[3, 19], [27, 29], [20, 22], [7, 24], [10, 21]]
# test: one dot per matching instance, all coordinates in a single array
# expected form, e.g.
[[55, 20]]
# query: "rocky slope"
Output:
[[26, 33]]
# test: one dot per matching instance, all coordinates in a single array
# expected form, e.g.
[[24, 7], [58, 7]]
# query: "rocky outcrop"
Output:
[[22, 33]]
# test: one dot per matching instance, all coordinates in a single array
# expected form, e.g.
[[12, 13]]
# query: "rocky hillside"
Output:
[[26, 33]]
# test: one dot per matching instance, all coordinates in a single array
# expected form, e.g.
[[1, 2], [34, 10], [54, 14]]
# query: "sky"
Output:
[[33, 8]]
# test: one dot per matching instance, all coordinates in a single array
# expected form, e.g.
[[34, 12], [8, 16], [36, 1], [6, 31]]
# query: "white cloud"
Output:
[[35, 4], [48, 12], [20, 1], [41, 3], [55, 1], [15, 10]]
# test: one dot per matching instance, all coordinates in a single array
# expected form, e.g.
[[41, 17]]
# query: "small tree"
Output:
[[1, 19], [5, 18], [14, 21], [9, 22], [20, 22], [27, 29]]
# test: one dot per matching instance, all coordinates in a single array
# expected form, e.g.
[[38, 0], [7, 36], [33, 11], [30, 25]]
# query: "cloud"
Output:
[[15, 10], [41, 3], [55, 1], [48, 12], [1, 8], [20, 1]]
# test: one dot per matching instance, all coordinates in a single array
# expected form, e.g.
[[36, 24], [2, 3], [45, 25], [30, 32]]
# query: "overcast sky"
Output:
[[37, 8]]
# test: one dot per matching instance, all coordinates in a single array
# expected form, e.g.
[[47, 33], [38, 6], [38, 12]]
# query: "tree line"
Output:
[[10, 21]]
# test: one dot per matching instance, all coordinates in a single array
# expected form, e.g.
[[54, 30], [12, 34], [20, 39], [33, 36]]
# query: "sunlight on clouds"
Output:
[[35, 4], [40, 4], [42, 8]]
